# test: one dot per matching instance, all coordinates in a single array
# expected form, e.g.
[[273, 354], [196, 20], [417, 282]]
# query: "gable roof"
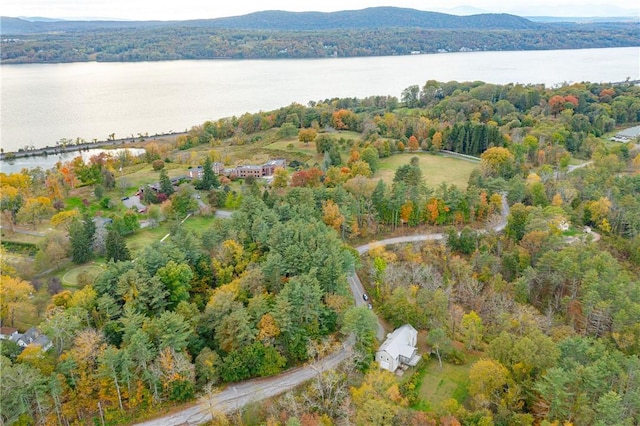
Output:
[[398, 343]]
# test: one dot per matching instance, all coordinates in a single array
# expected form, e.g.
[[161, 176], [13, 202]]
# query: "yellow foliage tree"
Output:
[[436, 140], [280, 178], [331, 215], [496, 160], [14, 298], [268, 328], [64, 218]]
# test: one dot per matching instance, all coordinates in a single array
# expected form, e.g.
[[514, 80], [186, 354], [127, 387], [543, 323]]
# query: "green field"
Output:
[[452, 381], [198, 224], [147, 175], [294, 145], [435, 169], [145, 237]]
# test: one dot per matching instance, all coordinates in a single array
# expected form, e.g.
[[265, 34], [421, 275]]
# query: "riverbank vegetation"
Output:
[[536, 324]]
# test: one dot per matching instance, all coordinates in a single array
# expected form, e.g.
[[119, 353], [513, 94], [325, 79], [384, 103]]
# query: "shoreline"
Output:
[[56, 150]]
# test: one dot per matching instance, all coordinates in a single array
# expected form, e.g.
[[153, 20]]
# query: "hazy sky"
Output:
[[194, 9]]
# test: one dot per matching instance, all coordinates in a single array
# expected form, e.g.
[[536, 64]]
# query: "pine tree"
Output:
[[81, 239], [209, 178], [116, 247], [165, 183]]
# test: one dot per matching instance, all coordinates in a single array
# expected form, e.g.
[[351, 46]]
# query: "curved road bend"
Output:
[[235, 396]]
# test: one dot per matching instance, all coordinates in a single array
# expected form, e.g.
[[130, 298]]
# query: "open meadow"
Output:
[[436, 169]]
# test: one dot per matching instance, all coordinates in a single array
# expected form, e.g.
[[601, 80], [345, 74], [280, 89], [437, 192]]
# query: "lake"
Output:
[[43, 103]]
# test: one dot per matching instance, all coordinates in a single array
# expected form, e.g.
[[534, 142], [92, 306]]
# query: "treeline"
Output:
[[195, 42]]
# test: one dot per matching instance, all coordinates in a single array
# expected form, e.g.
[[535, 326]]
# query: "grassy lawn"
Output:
[[309, 149], [147, 175], [296, 146], [452, 381], [8, 236], [198, 224], [71, 277], [146, 237], [435, 169]]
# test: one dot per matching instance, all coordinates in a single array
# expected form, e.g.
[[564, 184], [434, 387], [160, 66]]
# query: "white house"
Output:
[[399, 348], [32, 336]]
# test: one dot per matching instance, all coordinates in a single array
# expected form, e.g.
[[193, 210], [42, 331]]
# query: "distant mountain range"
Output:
[[370, 18], [377, 31]]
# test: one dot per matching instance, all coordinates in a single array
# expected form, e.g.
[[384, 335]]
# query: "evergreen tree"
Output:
[[209, 178], [116, 247], [165, 183], [81, 239]]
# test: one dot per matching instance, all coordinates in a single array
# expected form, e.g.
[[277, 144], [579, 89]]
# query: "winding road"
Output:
[[235, 396]]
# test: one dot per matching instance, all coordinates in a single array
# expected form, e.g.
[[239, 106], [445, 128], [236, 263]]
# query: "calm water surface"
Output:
[[43, 103]]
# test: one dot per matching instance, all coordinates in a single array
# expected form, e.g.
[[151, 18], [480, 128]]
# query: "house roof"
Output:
[[30, 336], [397, 343], [8, 331], [276, 162]]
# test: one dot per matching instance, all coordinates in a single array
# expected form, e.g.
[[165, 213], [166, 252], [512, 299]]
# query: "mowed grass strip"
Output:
[[435, 168]]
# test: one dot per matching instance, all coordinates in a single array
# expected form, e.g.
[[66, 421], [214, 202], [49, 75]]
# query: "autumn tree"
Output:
[[331, 215], [306, 177], [472, 330], [378, 399], [34, 210], [436, 141], [307, 135], [491, 386], [497, 161], [280, 178], [413, 143], [11, 200], [14, 298], [64, 218]]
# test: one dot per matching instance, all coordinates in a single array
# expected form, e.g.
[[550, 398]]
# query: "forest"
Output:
[[273, 35], [538, 324]]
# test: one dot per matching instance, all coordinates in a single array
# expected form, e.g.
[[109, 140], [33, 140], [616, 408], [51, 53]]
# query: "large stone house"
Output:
[[399, 348], [267, 169]]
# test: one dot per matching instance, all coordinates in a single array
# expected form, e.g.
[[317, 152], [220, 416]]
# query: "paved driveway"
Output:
[[133, 201]]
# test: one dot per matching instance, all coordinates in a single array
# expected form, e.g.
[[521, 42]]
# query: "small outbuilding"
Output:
[[400, 348]]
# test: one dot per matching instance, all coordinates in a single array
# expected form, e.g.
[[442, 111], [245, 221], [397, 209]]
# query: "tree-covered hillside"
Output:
[[276, 34]]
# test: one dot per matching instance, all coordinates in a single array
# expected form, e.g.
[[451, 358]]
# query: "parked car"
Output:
[[369, 306], [365, 297]]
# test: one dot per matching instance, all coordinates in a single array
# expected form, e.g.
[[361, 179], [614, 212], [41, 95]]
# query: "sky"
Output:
[[202, 9]]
